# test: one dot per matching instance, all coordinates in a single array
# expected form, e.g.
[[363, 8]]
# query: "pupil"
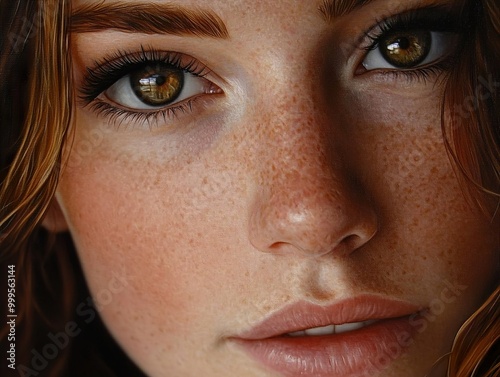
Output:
[[160, 80], [157, 85], [404, 43]]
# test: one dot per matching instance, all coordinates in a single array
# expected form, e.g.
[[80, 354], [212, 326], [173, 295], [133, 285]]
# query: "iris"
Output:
[[406, 49], [157, 85]]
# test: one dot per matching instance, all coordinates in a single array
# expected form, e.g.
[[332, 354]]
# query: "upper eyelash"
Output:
[[435, 18], [107, 71]]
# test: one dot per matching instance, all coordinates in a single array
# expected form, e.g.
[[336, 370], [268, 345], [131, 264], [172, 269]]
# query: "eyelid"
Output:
[[434, 18]]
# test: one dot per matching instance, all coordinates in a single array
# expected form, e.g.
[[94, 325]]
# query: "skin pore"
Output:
[[295, 174]]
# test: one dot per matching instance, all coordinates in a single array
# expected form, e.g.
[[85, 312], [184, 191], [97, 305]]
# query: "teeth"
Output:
[[297, 333], [326, 330], [349, 327], [332, 329]]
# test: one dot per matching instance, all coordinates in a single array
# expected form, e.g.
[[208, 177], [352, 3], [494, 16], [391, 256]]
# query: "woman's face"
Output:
[[271, 167]]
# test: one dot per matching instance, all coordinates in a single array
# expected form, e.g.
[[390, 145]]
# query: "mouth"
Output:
[[355, 337]]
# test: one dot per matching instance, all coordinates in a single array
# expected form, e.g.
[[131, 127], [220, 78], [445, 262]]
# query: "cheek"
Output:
[[163, 226], [429, 234], [432, 245]]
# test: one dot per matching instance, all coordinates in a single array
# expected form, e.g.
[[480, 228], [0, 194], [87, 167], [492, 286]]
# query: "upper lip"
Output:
[[304, 315]]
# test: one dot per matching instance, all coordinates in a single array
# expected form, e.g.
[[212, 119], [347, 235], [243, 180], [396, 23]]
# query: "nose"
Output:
[[307, 202]]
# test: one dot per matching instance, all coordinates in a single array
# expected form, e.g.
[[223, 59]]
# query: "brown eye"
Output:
[[157, 85], [409, 50], [406, 49]]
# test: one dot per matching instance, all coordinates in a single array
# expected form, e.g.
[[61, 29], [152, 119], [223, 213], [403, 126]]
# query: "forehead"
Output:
[[237, 13], [220, 4]]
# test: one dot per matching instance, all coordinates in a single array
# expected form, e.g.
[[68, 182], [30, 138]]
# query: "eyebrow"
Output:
[[332, 9], [148, 19]]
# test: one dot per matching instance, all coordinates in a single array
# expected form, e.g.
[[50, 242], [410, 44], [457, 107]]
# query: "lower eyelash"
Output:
[[422, 74], [118, 116]]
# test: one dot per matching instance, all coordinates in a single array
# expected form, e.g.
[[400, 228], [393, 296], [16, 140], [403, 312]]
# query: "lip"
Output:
[[363, 352]]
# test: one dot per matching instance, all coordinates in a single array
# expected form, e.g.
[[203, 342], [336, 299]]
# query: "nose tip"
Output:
[[312, 226]]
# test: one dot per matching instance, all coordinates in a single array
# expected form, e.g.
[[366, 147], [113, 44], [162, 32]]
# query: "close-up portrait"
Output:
[[263, 188]]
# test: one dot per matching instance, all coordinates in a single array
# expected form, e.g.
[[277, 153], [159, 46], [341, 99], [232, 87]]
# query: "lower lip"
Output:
[[364, 352]]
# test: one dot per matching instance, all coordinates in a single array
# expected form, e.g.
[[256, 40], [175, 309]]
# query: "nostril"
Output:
[[284, 248], [352, 242], [356, 240], [277, 246]]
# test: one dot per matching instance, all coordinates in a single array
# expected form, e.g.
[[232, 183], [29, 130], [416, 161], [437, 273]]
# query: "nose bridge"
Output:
[[297, 144], [298, 164], [294, 127]]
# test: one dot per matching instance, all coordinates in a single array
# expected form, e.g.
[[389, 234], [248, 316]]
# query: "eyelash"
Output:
[[436, 18], [110, 69]]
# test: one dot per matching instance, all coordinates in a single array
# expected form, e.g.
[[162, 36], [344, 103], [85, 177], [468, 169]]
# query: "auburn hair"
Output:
[[36, 101]]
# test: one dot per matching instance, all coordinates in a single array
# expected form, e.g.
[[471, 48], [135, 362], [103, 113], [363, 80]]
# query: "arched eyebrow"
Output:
[[149, 18], [332, 9]]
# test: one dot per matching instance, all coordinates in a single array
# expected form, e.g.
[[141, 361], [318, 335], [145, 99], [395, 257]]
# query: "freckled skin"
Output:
[[280, 190]]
